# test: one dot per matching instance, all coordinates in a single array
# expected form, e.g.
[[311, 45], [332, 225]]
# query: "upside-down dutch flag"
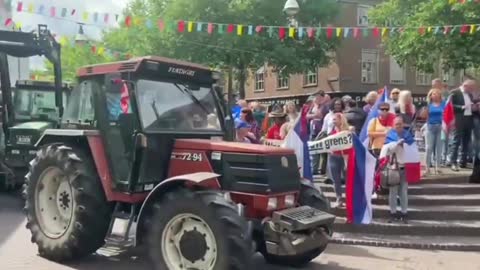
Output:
[[297, 139], [359, 183]]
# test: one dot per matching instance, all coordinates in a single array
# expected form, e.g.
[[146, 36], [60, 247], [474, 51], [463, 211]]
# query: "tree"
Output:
[[75, 56], [227, 51], [425, 47]]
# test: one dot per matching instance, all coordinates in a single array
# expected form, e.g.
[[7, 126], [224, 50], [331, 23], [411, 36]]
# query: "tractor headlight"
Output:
[[272, 203], [32, 152], [290, 200]]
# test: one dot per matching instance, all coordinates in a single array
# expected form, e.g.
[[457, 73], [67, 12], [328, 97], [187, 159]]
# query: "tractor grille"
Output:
[[258, 173], [127, 66]]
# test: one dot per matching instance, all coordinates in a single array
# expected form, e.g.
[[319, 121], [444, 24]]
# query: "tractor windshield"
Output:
[[168, 106], [31, 105]]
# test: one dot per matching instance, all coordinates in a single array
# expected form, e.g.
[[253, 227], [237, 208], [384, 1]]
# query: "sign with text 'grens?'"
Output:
[[337, 142]]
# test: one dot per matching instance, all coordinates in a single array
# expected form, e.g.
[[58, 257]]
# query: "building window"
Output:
[[369, 66], [260, 79], [397, 72], [449, 77], [283, 81], [424, 78], [362, 15], [310, 78]]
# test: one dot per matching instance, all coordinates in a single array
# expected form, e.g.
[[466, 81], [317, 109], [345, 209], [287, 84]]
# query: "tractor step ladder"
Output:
[[120, 225]]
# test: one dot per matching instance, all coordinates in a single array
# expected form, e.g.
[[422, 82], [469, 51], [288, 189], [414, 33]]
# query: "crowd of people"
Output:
[[396, 117]]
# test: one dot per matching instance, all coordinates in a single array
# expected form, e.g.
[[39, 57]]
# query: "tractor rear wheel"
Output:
[[67, 212], [198, 230], [312, 197]]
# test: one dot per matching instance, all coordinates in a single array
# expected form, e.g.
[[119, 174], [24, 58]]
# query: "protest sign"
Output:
[[336, 142]]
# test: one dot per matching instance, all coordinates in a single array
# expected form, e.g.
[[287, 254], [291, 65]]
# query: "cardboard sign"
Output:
[[337, 142]]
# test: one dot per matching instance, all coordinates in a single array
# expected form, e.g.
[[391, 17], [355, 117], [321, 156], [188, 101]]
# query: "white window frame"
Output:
[[259, 80], [395, 66], [449, 77], [369, 66], [362, 15], [283, 82], [310, 78], [423, 78]]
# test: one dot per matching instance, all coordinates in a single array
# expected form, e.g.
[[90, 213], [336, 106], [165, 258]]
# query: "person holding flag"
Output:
[[396, 144]]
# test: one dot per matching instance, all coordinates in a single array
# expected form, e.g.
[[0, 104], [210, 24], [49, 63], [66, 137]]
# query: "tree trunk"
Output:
[[242, 80]]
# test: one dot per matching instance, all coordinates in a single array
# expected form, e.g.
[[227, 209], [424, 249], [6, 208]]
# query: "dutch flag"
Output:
[[359, 183], [297, 139]]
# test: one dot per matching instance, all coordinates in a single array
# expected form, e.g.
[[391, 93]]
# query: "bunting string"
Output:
[[282, 32]]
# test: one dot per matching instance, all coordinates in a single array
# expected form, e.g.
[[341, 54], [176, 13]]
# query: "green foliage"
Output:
[[75, 56], [222, 50], [455, 50]]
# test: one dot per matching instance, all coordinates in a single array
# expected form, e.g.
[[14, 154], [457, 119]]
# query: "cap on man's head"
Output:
[[242, 124], [319, 93]]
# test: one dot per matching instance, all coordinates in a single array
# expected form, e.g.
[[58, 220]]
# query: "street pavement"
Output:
[[17, 252]]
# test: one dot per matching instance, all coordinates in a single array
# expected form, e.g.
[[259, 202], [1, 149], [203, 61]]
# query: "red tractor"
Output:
[[140, 158]]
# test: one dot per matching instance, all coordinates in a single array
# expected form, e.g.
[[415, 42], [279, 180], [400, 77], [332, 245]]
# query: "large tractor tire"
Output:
[[312, 197], [198, 230], [67, 212]]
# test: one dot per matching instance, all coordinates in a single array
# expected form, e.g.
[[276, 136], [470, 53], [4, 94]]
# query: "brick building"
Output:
[[359, 66]]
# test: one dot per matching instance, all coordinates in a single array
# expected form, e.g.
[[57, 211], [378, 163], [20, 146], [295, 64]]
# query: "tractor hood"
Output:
[[235, 147], [28, 133]]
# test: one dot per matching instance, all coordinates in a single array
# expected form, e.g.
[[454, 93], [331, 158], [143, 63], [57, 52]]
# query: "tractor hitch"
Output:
[[296, 230]]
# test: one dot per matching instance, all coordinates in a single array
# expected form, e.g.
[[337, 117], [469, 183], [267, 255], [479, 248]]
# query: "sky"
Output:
[[68, 27]]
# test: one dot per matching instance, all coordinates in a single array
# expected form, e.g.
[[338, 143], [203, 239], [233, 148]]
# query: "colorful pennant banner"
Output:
[[282, 32]]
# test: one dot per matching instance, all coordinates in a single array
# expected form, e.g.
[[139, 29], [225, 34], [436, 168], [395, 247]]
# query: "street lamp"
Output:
[[80, 38], [292, 8]]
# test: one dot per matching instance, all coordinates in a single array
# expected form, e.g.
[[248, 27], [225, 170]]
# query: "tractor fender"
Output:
[[50, 136], [204, 179]]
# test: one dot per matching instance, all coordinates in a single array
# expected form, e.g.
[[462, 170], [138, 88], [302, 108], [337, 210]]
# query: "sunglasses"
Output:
[[396, 93], [384, 109]]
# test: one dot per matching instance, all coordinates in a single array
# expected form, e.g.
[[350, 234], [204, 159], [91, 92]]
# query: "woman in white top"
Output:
[[292, 114], [336, 106]]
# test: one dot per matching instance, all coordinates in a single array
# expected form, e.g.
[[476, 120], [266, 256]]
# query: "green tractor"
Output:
[[29, 108], [35, 111]]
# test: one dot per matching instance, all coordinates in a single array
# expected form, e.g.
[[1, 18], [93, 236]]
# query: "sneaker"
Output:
[[455, 168], [403, 218], [374, 196], [393, 218]]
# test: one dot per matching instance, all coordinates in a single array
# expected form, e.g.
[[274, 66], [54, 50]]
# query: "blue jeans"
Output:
[[401, 191], [336, 166], [434, 144]]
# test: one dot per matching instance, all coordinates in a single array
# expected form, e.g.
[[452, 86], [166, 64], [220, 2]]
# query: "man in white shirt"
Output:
[[463, 106]]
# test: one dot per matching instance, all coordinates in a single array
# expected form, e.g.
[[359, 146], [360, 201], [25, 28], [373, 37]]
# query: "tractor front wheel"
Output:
[[67, 212], [198, 230]]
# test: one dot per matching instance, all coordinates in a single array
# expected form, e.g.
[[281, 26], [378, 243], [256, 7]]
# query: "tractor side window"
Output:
[[80, 106]]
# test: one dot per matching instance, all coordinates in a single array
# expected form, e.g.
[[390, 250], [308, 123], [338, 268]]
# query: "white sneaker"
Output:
[[374, 196]]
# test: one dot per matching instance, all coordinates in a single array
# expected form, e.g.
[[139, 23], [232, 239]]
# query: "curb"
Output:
[[406, 245]]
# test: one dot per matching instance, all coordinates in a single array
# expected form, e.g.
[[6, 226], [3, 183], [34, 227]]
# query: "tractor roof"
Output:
[[133, 65], [42, 84]]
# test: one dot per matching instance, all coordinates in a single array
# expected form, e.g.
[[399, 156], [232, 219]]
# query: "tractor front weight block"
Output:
[[296, 230]]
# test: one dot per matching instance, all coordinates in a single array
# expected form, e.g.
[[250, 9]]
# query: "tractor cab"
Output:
[[140, 108]]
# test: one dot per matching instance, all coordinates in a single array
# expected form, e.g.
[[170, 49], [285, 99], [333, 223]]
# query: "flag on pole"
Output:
[[448, 116], [363, 136], [359, 183], [125, 98], [297, 139]]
